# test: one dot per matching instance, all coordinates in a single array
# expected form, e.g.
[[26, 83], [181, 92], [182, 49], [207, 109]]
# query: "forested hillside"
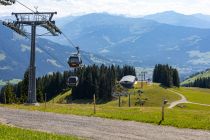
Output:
[[199, 75], [203, 82]]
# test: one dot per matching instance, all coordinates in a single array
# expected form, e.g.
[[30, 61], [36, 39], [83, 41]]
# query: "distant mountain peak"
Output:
[[169, 12], [179, 19]]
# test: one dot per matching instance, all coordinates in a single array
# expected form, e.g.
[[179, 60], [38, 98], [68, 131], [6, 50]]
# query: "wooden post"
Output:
[[163, 108], [119, 101], [94, 103], [129, 98], [142, 84], [163, 112]]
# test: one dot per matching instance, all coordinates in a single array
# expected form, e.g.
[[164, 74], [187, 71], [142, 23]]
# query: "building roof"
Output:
[[128, 78]]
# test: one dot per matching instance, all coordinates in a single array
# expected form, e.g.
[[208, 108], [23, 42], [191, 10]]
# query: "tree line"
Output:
[[200, 82], [99, 80], [93, 79], [166, 75], [50, 84]]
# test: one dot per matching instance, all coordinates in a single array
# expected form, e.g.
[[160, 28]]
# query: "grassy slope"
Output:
[[190, 116], [13, 133], [201, 75], [197, 95], [153, 94], [61, 98]]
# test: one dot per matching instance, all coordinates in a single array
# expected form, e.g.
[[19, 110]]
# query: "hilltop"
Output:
[[192, 78]]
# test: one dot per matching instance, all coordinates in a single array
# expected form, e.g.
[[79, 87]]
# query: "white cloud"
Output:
[[198, 57], [5, 68], [53, 62], [39, 50], [108, 40], [125, 7], [192, 40], [104, 51], [2, 56], [25, 48], [175, 48]]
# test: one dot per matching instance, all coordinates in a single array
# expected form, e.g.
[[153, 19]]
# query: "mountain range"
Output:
[[168, 37], [145, 41], [50, 56], [177, 19]]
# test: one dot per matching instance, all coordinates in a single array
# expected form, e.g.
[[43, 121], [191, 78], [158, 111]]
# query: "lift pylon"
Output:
[[42, 19]]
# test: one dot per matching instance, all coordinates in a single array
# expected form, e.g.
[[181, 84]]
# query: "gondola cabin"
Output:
[[75, 61], [73, 81], [7, 2]]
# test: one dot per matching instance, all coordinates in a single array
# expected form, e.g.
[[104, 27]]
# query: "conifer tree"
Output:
[[166, 75], [9, 94]]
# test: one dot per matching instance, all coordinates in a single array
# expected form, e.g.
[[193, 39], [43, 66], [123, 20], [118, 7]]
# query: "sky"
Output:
[[131, 8]]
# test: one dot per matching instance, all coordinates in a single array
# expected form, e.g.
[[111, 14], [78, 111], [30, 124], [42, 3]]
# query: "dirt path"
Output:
[[183, 100], [97, 128]]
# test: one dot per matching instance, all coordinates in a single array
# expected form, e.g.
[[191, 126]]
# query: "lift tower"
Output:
[[34, 19], [7, 2]]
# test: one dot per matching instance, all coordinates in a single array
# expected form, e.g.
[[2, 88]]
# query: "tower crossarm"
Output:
[[50, 26], [43, 19], [15, 27]]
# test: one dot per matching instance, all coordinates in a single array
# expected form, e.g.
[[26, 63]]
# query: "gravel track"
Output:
[[183, 100], [96, 128]]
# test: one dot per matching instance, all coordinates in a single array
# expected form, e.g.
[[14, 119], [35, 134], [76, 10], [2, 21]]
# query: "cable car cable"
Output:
[[52, 56], [65, 36], [68, 39], [25, 6], [37, 43]]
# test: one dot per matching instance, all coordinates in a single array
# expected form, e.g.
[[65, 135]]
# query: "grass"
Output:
[[190, 116], [153, 95], [61, 98], [13, 133], [197, 95], [183, 116]]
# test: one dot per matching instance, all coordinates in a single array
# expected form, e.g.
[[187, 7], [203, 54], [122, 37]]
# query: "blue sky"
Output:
[[133, 8]]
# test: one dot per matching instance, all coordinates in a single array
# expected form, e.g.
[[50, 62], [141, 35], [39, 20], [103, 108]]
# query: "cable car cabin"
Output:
[[73, 81], [7, 2], [74, 61]]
